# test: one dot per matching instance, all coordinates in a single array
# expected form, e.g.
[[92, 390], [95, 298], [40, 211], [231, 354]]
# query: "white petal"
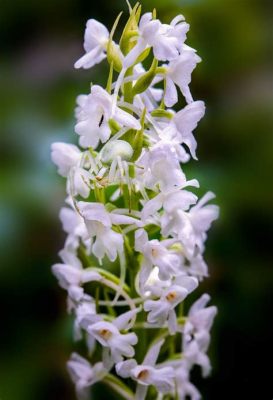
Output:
[[188, 118], [151, 206], [121, 322], [146, 268], [141, 239], [152, 354], [177, 19], [89, 59], [96, 33], [171, 93], [65, 156], [98, 249], [199, 304], [192, 145], [134, 53], [187, 282], [113, 243], [126, 119], [124, 368], [89, 276], [94, 212], [66, 275], [141, 392], [172, 323], [119, 219]]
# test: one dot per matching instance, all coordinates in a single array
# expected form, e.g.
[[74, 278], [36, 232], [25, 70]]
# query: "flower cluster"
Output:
[[135, 231]]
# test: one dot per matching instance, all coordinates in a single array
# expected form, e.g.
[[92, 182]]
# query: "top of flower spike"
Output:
[[140, 33], [101, 114]]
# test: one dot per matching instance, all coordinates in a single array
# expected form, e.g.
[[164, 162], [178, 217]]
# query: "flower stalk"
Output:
[[135, 231]]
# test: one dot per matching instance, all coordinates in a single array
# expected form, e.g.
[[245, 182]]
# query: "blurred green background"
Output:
[[40, 41]]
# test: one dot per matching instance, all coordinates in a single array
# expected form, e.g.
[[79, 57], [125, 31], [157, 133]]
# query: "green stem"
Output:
[[172, 346], [162, 104], [85, 260], [110, 309], [115, 383], [111, 277], [142, 339]]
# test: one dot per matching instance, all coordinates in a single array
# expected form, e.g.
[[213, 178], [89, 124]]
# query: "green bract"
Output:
[[146, 79]]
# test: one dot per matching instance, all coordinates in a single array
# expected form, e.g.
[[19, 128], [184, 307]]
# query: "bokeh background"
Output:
[[40, 40]]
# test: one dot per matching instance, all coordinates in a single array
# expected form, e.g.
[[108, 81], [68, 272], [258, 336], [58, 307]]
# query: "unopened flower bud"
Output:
[[116, 148]]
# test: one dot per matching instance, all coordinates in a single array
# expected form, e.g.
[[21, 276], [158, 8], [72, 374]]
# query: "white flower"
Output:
[[73, 224], [65, 156], [191, 227], [85, 314], [169, 200], [196, 337], [109, 336], [163, 309], [179, 73], [156, 253], [199, 321], [94, 112], [84, 374], [197, 267], [184, 388], [99, 224], [147, 373], [79, 182], [160, 166], [166, 40], [95, 43], [183, 123], [71, 275], [194, 353]]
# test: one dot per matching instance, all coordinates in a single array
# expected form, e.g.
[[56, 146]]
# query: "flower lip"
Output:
[[171, 296], [143, 375], [105, 334], [154, 252]]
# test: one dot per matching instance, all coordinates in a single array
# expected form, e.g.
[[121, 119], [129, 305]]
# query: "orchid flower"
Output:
[[95, 42], [99, 223], [179, 73], [84, 374], [109, 336], [147, 373], [94, 113]]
